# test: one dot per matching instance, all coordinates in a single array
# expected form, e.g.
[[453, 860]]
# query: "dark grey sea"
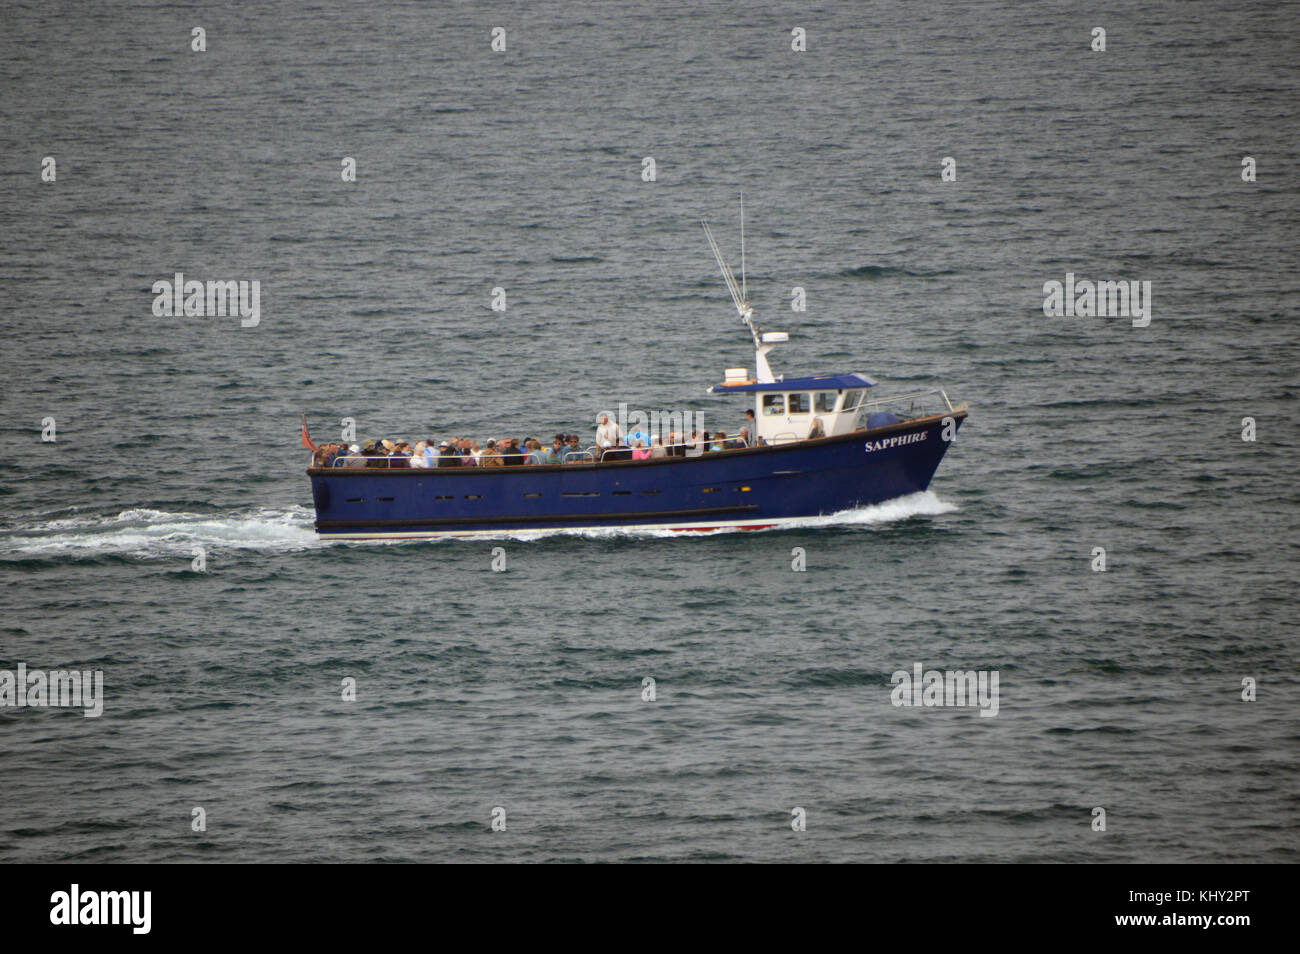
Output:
[[1162, 690]]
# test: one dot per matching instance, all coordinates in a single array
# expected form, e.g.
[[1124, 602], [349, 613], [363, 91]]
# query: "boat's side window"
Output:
[[800, 403], [824, 401], [773, 404], [851, 400]]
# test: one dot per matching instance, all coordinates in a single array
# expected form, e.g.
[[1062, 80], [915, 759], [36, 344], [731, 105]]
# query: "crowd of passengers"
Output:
[[611, 444]]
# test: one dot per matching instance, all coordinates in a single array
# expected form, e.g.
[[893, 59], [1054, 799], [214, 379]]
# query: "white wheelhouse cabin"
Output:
[[791, 410]]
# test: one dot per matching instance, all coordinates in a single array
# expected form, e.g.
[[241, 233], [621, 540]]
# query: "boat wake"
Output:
[[924, 504], [145, 533], [159, 533]]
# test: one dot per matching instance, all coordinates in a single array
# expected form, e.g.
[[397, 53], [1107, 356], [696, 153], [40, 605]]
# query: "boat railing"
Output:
[[365, 462], [384, 462], [905, 407], [701, 446]]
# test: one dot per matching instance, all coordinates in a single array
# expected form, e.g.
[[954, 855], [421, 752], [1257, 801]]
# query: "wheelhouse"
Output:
[[796, 409]]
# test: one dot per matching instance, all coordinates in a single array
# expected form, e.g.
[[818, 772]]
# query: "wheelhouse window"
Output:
[[773, 405], [851, 400], [800, 403], [824, 401]]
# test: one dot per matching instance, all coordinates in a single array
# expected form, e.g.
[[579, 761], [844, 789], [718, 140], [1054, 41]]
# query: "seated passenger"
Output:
[[744, 438], [446, 456], [490, 457], [417, 455], [816, 430], [617, 452], [640, 451], [719, 441], [512, 454]]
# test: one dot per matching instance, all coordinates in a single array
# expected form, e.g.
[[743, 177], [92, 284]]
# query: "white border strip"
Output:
[[750, 524]]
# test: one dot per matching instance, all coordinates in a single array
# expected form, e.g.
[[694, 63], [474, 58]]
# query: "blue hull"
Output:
[[743, 489]]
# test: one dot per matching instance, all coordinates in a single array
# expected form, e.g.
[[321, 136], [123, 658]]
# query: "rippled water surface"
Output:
[[523, 689]]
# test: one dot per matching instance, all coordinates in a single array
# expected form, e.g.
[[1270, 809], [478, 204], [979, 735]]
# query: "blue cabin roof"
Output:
[[824, 382]]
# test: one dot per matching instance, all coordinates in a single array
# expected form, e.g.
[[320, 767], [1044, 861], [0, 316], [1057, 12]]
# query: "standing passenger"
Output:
[[607, 432]]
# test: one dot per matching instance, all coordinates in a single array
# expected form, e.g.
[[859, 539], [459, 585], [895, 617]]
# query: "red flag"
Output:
[[306, 439]]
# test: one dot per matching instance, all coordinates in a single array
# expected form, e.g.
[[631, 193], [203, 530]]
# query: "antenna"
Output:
[[744, 289], [728, 276], [763, 370]]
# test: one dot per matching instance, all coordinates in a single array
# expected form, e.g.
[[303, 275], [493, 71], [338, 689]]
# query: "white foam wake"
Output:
[[155, 533], [924, 504], [144, 532]]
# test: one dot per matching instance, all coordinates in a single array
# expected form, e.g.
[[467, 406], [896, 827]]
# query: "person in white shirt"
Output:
[[607, 432], [417, 457]]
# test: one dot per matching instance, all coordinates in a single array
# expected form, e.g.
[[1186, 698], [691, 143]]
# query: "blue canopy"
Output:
[[825, 382]]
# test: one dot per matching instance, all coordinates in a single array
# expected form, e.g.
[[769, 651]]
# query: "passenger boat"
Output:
[[868, 451]]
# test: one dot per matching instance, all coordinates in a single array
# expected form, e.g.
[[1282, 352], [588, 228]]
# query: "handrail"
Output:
[[913, 397], [341, 461], [569, 457], [699, 447]]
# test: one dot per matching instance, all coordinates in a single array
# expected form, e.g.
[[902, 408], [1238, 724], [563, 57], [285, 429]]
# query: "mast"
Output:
[[744, 290], [739, 295]]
